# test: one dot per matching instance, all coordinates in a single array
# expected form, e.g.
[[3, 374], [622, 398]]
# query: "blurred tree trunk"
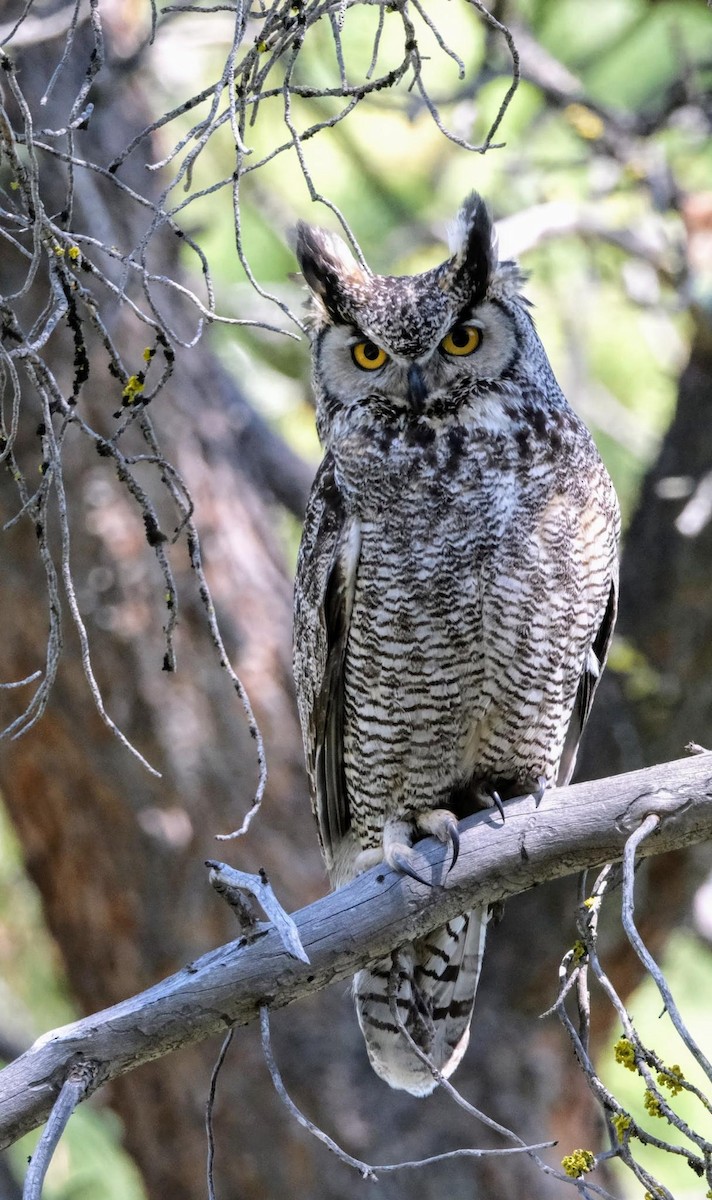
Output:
[[117, 855], [649, 715], [668, 570]]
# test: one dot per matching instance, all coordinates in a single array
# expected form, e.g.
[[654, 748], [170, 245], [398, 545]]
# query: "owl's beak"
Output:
[[417, 390]]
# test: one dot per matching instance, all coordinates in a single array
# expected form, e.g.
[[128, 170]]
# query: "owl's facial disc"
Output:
[[370, 357], [408, 346], [364, 363]]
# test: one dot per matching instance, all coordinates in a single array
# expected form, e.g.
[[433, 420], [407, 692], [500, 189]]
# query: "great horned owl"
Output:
[[455, 593]]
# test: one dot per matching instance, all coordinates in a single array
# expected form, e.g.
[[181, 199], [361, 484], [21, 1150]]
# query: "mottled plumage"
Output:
[[455, 591]]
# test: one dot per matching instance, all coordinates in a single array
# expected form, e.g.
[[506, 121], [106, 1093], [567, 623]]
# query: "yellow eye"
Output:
[[368, 356], [462, 339]]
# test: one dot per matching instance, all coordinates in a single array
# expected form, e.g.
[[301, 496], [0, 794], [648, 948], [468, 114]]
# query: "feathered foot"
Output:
[[398, 838]]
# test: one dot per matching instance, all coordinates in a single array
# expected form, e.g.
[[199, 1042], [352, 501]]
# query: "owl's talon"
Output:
[[445, 830], [497, 802], [399, 860], [442, 824], [534, 787], [486, 796], [454, 839]]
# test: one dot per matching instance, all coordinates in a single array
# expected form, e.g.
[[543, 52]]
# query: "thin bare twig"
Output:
[[209, 1108], [366, 1170], [80, 1081]]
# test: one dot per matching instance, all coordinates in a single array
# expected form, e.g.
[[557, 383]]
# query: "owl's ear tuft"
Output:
[[329, 268], [473, 246]]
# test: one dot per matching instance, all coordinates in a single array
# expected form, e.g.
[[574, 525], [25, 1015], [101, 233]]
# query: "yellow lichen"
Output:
[[578, 1163], [671, 1078], [652, 1103], [621, 1122], [133, 390], [578, 951], [624, 1052]]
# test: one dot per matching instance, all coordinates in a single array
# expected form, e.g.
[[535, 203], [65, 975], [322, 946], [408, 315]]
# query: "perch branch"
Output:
[[572, 828]]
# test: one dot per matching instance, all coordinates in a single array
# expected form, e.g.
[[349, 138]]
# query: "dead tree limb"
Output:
[[572, 828]]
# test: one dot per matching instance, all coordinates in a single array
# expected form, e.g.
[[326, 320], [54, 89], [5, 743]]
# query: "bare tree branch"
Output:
[[572, 828]]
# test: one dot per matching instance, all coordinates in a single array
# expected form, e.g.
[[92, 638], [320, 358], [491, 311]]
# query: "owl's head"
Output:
[[412, 343]]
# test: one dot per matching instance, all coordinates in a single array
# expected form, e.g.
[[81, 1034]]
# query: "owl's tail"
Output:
[[432, 981]]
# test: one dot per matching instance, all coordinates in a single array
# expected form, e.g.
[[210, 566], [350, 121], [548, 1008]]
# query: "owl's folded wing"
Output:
[[588, 683], [326, 576]]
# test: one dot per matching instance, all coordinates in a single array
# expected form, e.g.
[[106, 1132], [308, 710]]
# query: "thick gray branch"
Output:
[[572, 828]]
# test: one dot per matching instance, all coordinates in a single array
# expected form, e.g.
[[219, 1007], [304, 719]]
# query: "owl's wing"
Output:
[[588, 683], [325, 583]]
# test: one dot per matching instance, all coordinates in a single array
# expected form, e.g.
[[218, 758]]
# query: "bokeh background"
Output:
[[603, 188]]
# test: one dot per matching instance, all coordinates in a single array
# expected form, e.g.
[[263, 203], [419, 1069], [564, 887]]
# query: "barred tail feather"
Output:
[[432, 981]]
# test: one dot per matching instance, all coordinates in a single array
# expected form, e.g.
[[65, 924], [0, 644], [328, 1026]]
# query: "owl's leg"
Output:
[[367, 859]]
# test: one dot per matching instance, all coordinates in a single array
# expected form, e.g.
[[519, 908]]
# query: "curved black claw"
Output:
[[534, 786], [400, 862], [538, 791], [497, 801], [453, 834]]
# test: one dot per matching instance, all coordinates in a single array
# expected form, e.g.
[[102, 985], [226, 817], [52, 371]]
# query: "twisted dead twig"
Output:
[[234, 885]]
